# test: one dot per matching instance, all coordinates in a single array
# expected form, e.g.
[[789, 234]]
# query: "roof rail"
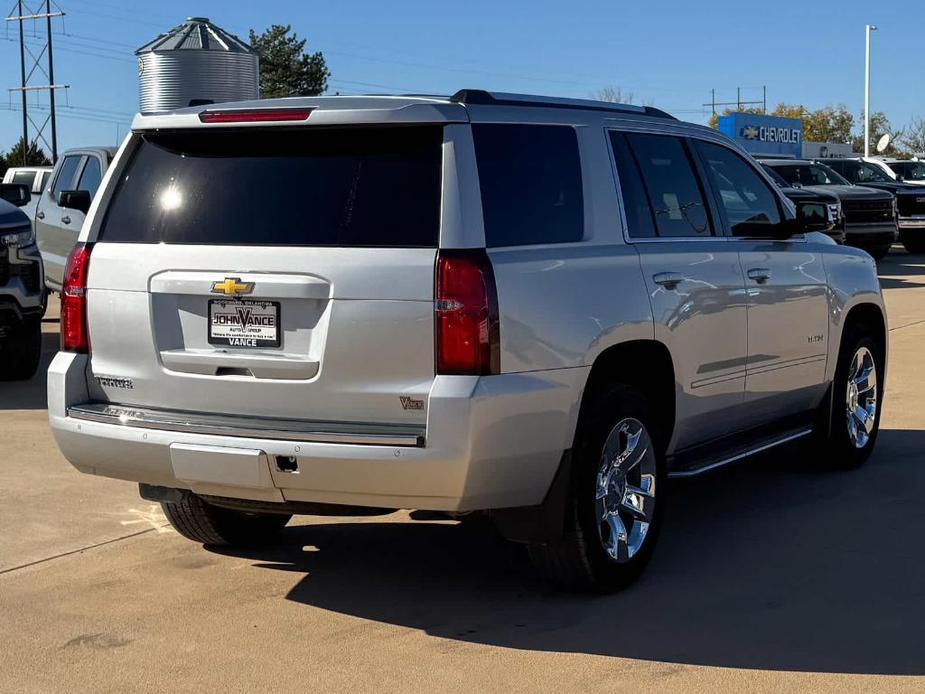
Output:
[[484, 98]]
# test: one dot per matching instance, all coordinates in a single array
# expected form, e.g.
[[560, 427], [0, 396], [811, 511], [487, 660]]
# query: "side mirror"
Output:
[[16, 193], [75, 200], [814, 216], [811, 216], [900, 178]]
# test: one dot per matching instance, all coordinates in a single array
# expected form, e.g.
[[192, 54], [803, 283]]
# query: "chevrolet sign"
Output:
[[761, 134]]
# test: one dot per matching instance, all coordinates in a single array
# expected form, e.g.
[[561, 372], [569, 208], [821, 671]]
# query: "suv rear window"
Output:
[[376, 187], [530, 178]]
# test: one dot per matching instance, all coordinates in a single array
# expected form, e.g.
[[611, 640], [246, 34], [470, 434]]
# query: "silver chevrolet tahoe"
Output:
[[537, 309]]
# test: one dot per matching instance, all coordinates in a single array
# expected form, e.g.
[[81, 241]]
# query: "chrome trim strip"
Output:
[[681, 474], [250, 427]]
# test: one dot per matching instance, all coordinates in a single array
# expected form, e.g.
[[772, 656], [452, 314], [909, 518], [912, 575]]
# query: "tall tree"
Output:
[[34, 155], [615, 95], [879, 126], [285, 68], [914, 138], [828, 124]]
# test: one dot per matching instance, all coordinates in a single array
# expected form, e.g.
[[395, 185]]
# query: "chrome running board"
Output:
[[787, 438], [243, 426]]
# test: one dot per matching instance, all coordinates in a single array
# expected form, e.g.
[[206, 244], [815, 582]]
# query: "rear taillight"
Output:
[[468, 338], [74, 336]]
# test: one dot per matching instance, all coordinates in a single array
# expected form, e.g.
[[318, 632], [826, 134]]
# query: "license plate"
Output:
[[244, 323]]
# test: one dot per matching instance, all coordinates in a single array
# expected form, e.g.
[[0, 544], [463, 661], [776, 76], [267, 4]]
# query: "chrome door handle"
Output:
[[40, 215], [65, 219], [759, 274], [669, 280]]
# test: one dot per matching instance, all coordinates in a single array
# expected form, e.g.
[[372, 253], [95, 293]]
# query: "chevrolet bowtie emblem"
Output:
[[232, 286]]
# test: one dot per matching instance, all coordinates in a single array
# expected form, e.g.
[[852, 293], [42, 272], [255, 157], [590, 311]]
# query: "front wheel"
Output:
[[880, 251], [913, 243], [203, 522], [855, 418], [614, 511]]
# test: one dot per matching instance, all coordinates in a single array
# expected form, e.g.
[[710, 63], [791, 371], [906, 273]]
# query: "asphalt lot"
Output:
[[770, 576]]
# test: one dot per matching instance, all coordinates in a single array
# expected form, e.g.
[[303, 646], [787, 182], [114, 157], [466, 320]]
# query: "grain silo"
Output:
[[196, 62]]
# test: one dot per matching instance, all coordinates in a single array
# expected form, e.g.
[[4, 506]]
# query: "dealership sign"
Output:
[[764, 134]]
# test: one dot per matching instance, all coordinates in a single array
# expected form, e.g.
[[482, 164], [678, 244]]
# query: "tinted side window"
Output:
[[672, 185], [636, 206], [26, 177], [848, 169], [530, 179], [65, 179], [750, 207], [91, 177]]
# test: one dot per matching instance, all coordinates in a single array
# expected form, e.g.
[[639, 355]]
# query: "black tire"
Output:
[[202, 522], [880, 251], [579, 560], [21, 351], [914, 243], [834, 445]]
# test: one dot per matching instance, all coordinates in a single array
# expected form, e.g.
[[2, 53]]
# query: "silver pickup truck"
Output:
[[535, 308], [61, 204]]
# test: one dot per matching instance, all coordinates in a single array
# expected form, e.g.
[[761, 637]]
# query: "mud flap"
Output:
[[542, 524]]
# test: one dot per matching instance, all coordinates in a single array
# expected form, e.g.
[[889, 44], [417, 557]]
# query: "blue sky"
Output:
[[668, 52]]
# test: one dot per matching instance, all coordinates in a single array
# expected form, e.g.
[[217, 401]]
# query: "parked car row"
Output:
[[870, 215], [61, 199]]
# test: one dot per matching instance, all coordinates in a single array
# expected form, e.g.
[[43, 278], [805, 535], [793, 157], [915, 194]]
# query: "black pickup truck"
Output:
[[870, 214], [806, 195], [22, 290], [910, 199]]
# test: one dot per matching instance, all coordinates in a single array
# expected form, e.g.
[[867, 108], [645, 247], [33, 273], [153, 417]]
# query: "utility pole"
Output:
[[28, 69], [867, 29], [738, 103]]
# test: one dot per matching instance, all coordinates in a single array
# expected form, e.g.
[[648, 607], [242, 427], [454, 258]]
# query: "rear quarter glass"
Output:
[[363, 187]]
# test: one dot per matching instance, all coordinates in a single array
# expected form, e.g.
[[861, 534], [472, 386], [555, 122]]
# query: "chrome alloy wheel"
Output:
[[861, 397], [625, 494]]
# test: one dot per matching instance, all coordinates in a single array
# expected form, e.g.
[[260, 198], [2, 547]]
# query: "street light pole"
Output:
[[867, 29]]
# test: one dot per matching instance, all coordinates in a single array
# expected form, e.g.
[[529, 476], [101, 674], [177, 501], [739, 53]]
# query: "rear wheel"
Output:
[[913, 243], [855, 419], [21, 351], [202, 522], [613, 516]]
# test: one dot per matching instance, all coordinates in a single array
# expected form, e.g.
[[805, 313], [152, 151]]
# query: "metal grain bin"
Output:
[[196, 62]]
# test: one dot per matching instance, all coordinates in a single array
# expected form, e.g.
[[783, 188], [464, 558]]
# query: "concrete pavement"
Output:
[[770, 576]]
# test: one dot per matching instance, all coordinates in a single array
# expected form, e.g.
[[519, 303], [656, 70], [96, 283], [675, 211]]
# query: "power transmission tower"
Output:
[[32, 70], [738, 103]]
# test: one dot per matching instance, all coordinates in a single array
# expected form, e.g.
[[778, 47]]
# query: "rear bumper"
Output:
[[493, 442]]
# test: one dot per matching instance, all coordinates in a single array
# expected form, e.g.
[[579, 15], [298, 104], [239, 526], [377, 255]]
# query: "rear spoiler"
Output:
[[334, 110]]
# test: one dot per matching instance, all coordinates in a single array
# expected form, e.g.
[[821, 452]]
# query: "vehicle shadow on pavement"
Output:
[[31, 394], [770, 565], [901, 270]]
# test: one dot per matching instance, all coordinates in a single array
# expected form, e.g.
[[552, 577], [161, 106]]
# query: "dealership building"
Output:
[[774, 136]]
